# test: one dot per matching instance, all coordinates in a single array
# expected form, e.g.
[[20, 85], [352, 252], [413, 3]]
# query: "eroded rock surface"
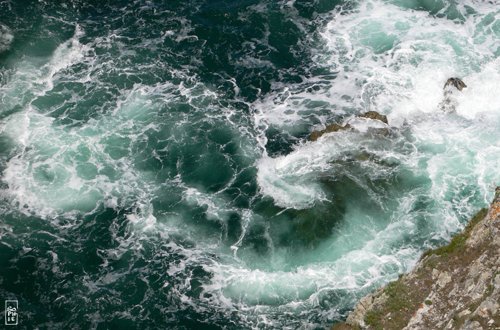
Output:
[[337, 127]]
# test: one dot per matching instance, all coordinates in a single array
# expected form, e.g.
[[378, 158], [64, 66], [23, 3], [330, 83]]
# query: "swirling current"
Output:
[[156, 171]]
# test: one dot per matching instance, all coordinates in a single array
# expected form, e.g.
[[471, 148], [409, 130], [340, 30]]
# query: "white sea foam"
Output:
[[65, 55], [395, 61], [389, 59], [403, 81], [68, 171]]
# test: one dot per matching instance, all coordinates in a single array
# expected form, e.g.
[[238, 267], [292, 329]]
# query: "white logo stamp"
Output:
[[11, 312]]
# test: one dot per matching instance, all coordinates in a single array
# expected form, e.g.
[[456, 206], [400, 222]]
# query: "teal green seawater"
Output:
[[156, 171]]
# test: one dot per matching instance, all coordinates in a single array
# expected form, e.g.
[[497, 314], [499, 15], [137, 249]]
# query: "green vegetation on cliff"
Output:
[[394, 306]]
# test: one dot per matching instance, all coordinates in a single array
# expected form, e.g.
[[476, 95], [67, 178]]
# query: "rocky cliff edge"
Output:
[[456, 286]]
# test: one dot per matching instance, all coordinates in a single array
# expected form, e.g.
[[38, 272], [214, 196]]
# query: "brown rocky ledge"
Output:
[[337, 127], [456, 286]]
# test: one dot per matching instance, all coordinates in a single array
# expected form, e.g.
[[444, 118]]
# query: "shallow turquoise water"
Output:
[[156, 173]]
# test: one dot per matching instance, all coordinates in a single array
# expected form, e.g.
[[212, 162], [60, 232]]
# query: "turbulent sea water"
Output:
[[156, 171]]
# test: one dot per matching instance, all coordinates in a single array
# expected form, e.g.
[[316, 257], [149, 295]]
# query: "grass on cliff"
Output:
[[457, 243], [405, 297], [402, 301]]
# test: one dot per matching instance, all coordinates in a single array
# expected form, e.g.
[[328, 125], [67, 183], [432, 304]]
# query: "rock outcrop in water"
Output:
[[449, 103], [337, 127], [328, 129], [375, 116], [456, 286], [456, 82]]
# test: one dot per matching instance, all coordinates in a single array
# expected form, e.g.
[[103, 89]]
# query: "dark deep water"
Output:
[[156, 173]]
